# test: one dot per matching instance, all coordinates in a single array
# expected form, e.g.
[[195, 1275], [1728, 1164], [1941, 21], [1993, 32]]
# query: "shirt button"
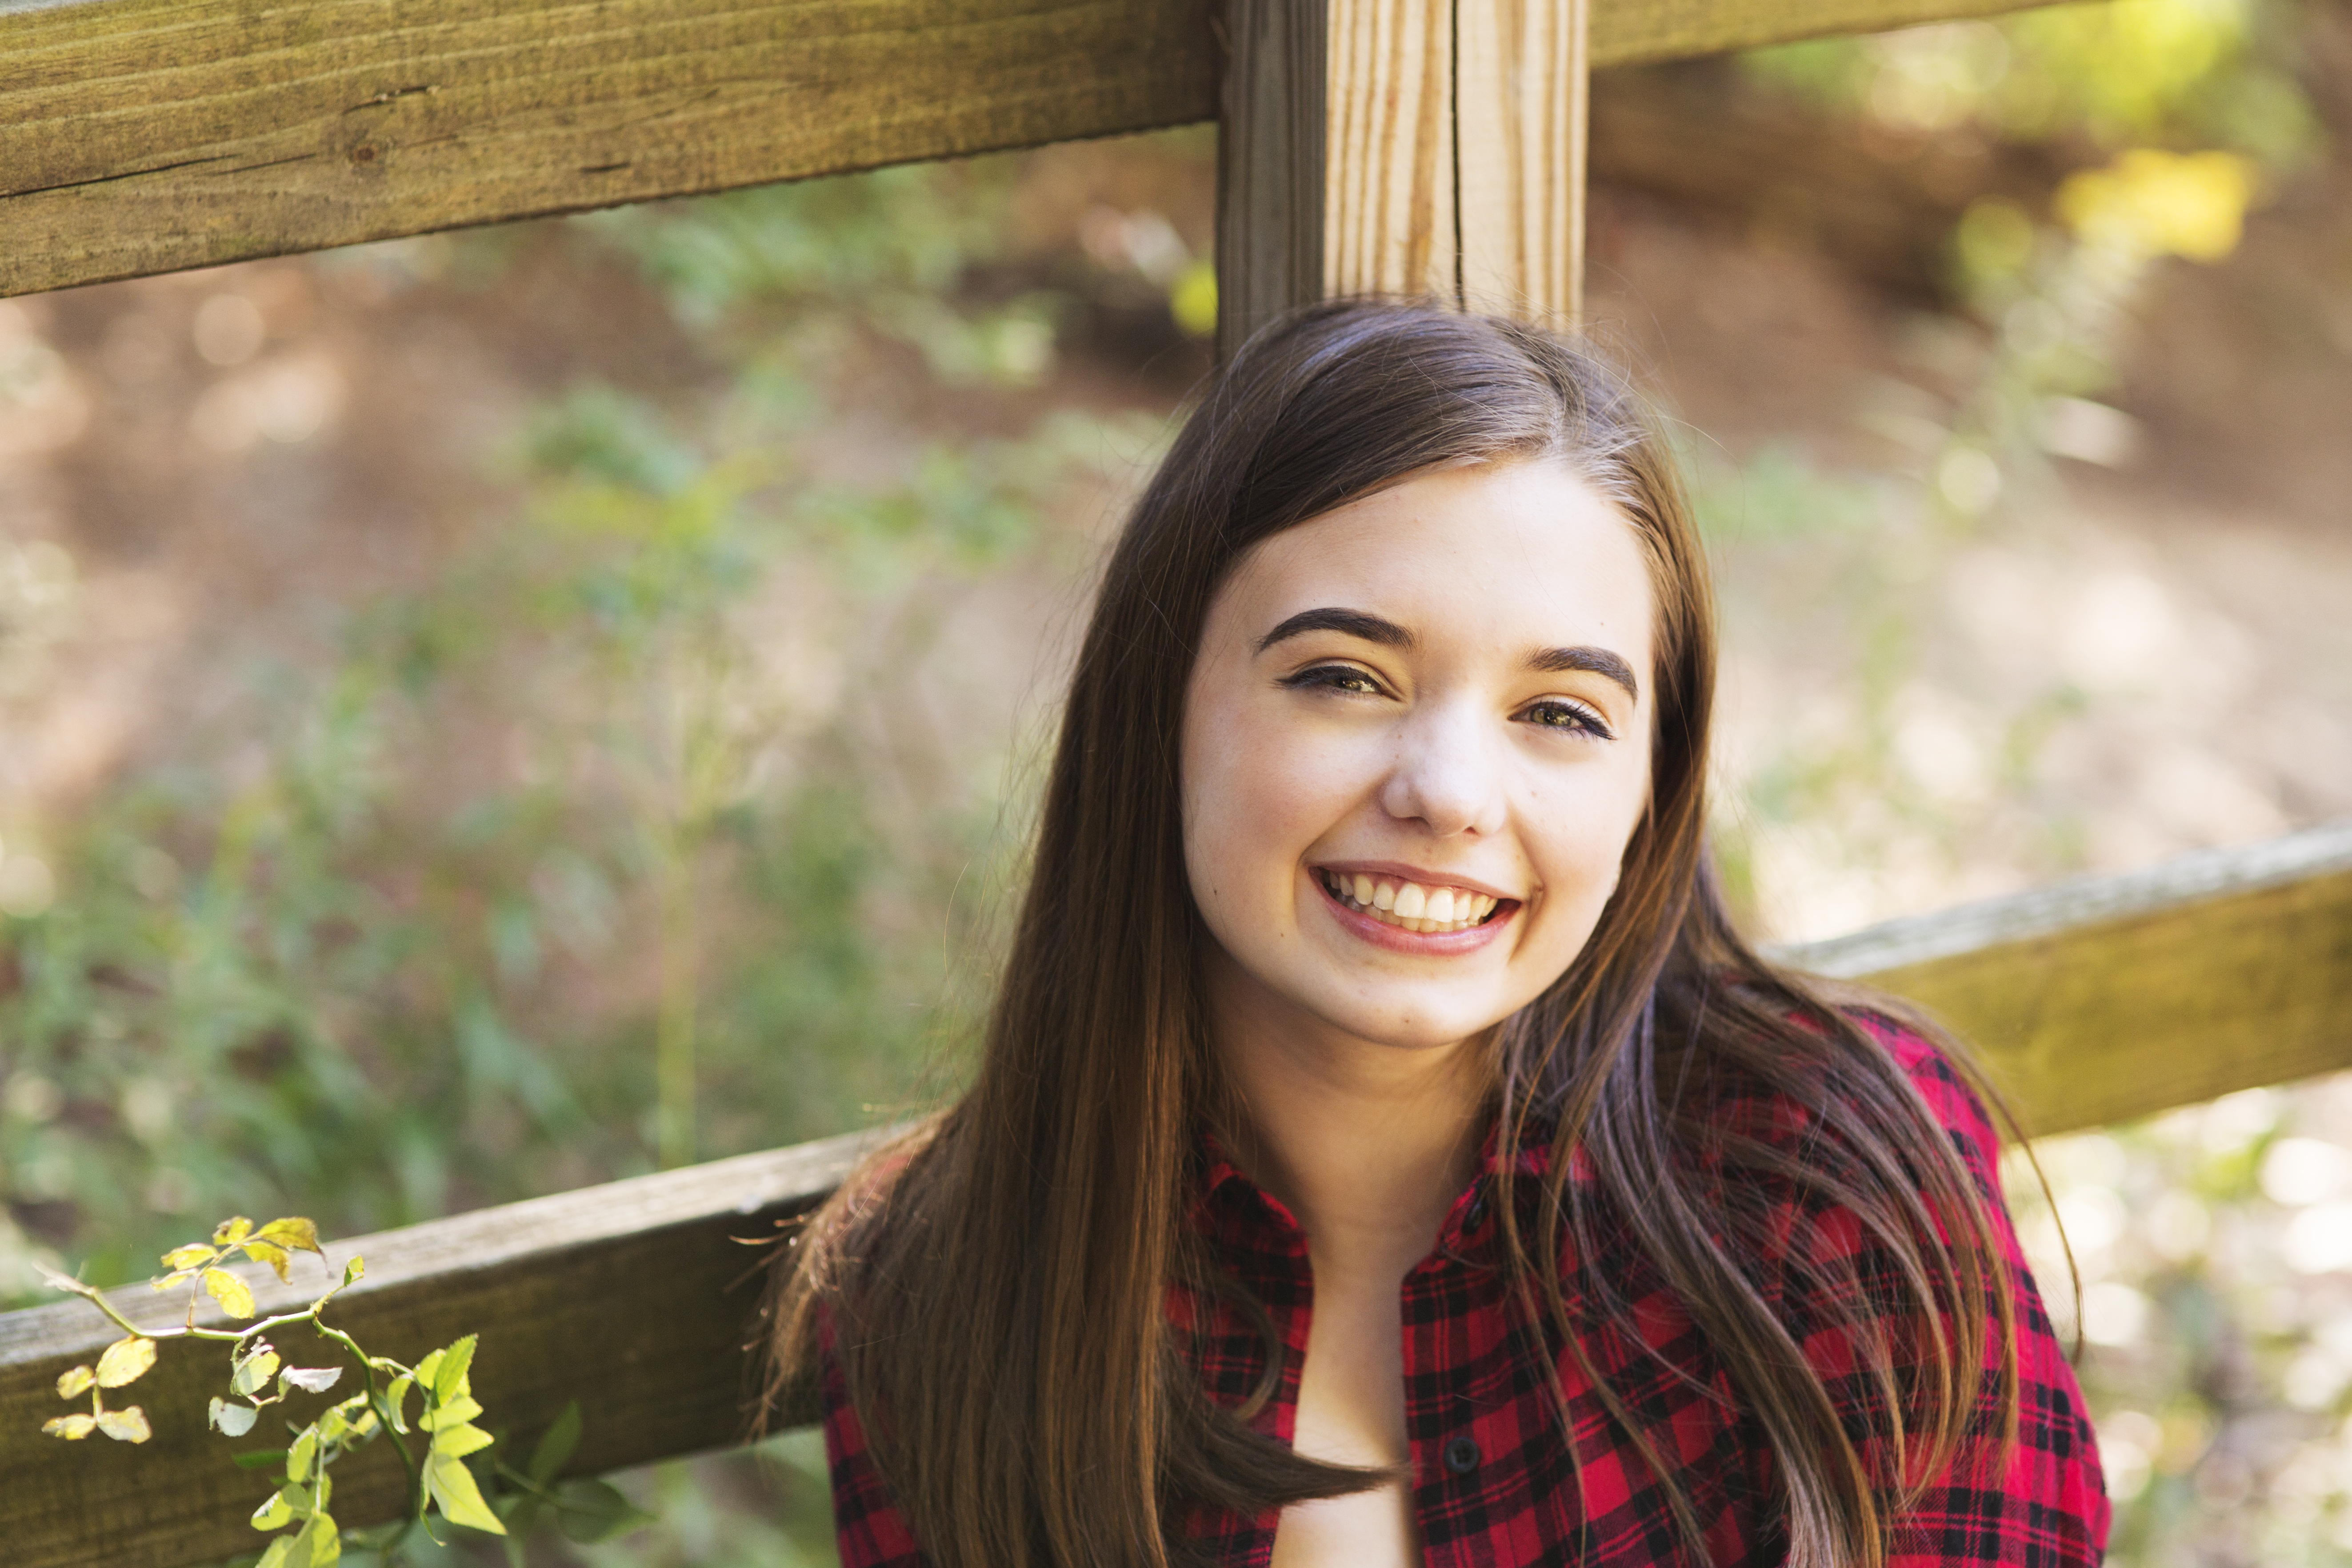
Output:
[[1461, 1455]]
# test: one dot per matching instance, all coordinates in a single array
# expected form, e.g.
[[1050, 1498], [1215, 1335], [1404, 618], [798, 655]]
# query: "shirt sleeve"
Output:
[[2045, 1504], [867, 1523]]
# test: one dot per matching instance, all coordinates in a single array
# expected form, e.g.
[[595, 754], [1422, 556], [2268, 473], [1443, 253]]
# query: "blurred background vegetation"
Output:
[[490, 713]]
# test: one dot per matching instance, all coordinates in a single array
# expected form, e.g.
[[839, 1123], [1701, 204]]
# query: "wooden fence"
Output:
[[139, 136], [2095, 1001]]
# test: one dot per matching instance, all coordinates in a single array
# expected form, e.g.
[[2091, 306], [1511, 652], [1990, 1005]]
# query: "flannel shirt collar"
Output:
[[1227, 1203]]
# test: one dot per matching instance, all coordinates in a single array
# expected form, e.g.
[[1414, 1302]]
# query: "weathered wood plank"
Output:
[[141, 136], [2105, 998], [631, 1297], [2097, 999], [1389, 210], [1270, 166], [1519, 121]]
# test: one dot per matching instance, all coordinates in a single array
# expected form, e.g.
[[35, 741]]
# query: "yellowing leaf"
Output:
[[232, 1231], [125, 1360], [189, 1257], [180, 1278], [275, 1256], [293, 1234], [77, 1382], [234, 1294], [72, 1428], [128, 1425], [452, 1486], [254, 1373]]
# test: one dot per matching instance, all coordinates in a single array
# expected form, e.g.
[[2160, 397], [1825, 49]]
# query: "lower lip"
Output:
[[1425, 943]]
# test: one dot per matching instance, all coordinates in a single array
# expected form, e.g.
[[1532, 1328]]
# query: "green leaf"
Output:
[[556, 1445], [443, 1415], [593, 1511], [449, 1381], [254, 1373], [452, 1486], [74, 1384], [128, 1425], [459, 1441], [353, 1269], [273, 1514], [300, 1458], [427, 1368], [125, 1360], [234, 1294], [281, 1554], [231, 1419], [326, 1541], [395, 1397], [260, 1459]]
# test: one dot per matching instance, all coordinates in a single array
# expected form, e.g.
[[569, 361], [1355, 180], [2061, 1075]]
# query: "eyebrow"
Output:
[[1592, 660], [1354, 623], [1388, 634]]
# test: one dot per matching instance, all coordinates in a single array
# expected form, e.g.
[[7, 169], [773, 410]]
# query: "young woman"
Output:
[[1385, 1150]]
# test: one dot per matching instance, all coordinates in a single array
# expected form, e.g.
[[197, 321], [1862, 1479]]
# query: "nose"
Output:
[[1447, 775]]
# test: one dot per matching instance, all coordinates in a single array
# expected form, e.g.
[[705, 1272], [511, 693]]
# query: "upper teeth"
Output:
[[1394, 902]]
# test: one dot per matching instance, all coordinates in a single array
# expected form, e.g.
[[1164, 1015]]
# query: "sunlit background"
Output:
[[490, 713]]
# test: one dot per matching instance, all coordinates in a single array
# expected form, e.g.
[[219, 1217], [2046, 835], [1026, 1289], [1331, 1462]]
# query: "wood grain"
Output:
[[632, 1298], [1269, 166], [1389, 211], [141, 136], [2106, 998], [1519, 124]]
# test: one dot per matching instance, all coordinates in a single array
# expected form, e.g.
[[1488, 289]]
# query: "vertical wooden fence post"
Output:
[[1430, 147]]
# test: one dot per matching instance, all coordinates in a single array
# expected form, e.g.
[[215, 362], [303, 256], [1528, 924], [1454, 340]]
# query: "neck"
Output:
[[1366, 1144]]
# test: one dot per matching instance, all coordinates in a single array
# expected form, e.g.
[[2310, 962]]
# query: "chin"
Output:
[[1410, 1028]]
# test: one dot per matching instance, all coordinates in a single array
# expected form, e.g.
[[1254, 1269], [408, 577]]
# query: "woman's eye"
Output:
[[1555, 713], [1335, 677]]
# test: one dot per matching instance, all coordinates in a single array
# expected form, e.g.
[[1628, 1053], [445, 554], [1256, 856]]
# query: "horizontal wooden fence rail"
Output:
[[2096, 1000], [142, 136]]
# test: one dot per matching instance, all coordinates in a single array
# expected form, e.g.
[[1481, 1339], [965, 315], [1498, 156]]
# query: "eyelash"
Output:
[[1339, 677]]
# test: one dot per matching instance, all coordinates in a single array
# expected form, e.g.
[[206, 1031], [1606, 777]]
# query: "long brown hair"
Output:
[[996, 1284]]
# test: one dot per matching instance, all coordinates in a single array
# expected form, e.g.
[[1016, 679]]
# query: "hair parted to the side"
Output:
[[995, 1285]]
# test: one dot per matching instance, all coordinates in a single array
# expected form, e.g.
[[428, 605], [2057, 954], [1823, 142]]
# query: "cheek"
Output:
[[1258, 795]]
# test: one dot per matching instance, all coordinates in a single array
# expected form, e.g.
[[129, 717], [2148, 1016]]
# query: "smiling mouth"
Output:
[[1409, 906]]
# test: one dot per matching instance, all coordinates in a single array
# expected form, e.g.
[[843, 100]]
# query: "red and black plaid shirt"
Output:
[[1494, 1482]]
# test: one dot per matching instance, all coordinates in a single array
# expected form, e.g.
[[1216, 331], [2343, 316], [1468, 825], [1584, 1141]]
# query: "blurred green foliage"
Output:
[[564, 834], [2197, 73]]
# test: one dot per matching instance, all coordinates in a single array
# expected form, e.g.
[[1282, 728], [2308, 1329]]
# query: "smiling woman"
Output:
[[1384, 1150]]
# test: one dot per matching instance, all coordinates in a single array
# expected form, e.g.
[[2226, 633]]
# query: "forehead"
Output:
[[1523, 552]]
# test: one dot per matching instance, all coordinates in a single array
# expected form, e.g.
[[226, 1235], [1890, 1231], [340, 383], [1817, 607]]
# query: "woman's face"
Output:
[[1416, 742]]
